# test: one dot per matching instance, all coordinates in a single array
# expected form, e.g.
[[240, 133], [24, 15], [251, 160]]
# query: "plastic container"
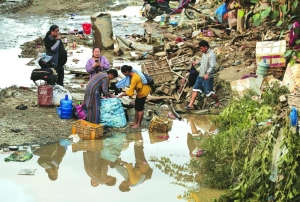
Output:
[[87, 27], [45, 95], [262, 68], [66, 108]]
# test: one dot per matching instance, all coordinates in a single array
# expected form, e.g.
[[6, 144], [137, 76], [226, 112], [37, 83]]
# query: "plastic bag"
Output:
[[294, 117], [112, 113], [220, 12], [59, 92], [80, 111]]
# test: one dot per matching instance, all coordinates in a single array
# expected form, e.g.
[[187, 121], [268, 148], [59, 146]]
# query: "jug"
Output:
[[262, 68], [66, 108]]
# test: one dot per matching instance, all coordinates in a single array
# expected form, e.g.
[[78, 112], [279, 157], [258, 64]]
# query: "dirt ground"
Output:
[[63, 7]]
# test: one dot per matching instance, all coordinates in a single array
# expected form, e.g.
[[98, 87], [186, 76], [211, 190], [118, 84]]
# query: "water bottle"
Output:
[[65, 108]]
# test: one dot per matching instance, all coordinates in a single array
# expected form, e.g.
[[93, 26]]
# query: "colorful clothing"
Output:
[[126, 80], [89, 66], [142, 90], [19, 156], [99, 83]]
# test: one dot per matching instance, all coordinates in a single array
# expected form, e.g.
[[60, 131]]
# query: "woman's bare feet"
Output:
[[135, 126]]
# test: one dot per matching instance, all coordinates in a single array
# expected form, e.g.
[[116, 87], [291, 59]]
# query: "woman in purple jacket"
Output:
[[97, 63]]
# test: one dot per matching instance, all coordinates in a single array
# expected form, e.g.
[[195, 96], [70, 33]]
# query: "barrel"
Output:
[[65, 108], [45, 95], [102, 31]]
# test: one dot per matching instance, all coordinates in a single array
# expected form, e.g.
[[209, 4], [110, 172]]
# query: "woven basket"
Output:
[[86, 130], [160, 125]]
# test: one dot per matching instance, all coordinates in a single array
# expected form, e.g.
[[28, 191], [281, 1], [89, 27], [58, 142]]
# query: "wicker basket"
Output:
[[88, 145], [160, 125], [86, 130]]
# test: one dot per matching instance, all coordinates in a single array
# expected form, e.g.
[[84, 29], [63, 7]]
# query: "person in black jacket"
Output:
[[55, 48]]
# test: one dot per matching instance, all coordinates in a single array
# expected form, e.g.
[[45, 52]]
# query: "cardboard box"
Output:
[[273, 51]]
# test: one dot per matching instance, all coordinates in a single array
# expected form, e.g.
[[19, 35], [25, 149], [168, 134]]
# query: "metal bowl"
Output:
[[13, 148]]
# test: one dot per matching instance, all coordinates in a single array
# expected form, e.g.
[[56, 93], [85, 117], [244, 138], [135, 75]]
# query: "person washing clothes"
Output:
[[138, 83], [97, 85], [97, 63]]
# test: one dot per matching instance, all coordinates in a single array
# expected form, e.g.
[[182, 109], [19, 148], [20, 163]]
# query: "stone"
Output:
[[282, 98]]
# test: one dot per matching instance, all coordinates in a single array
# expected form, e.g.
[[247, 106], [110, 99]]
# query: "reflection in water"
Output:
[[50, 158], [97, 168], [137, 174], [97, 162], [126, 163]]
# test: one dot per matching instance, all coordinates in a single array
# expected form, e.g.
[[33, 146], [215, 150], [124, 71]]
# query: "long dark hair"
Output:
[[52, 28]]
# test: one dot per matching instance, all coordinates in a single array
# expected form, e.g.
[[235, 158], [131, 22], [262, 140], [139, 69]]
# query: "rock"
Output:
[[118, 51], [282, 98]]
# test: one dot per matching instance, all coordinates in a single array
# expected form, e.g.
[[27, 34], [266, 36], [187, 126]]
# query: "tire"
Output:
[[190, 13]]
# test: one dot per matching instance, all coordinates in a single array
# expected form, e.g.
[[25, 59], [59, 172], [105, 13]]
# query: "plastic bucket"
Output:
[[87, 27]]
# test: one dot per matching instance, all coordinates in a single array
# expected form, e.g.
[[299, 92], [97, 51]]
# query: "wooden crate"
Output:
[[160, 125], [158, 70], [86, 130], [168, 90], [88, 145]]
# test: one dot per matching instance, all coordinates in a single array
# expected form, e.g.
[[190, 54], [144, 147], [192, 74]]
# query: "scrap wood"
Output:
[[236, 37], [173, 109], [150, 97]]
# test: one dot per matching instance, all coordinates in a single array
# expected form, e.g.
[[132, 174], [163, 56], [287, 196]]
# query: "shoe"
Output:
[[22, 107], [188, 107]]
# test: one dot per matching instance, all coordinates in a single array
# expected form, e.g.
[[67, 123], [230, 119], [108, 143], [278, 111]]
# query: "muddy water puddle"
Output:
[[124, 167]]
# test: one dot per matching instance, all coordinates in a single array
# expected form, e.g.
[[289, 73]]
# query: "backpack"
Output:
[[149, 79], [47, 74]]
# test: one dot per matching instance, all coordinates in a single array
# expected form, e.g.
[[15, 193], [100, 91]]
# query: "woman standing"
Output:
[[142, 91], [55, 48], [97, 85], [97, 63]]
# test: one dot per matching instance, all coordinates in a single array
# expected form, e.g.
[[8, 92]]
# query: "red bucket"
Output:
[[87, 27]]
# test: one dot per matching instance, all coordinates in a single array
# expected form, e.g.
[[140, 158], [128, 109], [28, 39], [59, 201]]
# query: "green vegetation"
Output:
[[244, 157]]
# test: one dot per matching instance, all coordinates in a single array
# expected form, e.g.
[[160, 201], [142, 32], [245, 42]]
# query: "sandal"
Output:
[[21, 107], [188, 107]]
